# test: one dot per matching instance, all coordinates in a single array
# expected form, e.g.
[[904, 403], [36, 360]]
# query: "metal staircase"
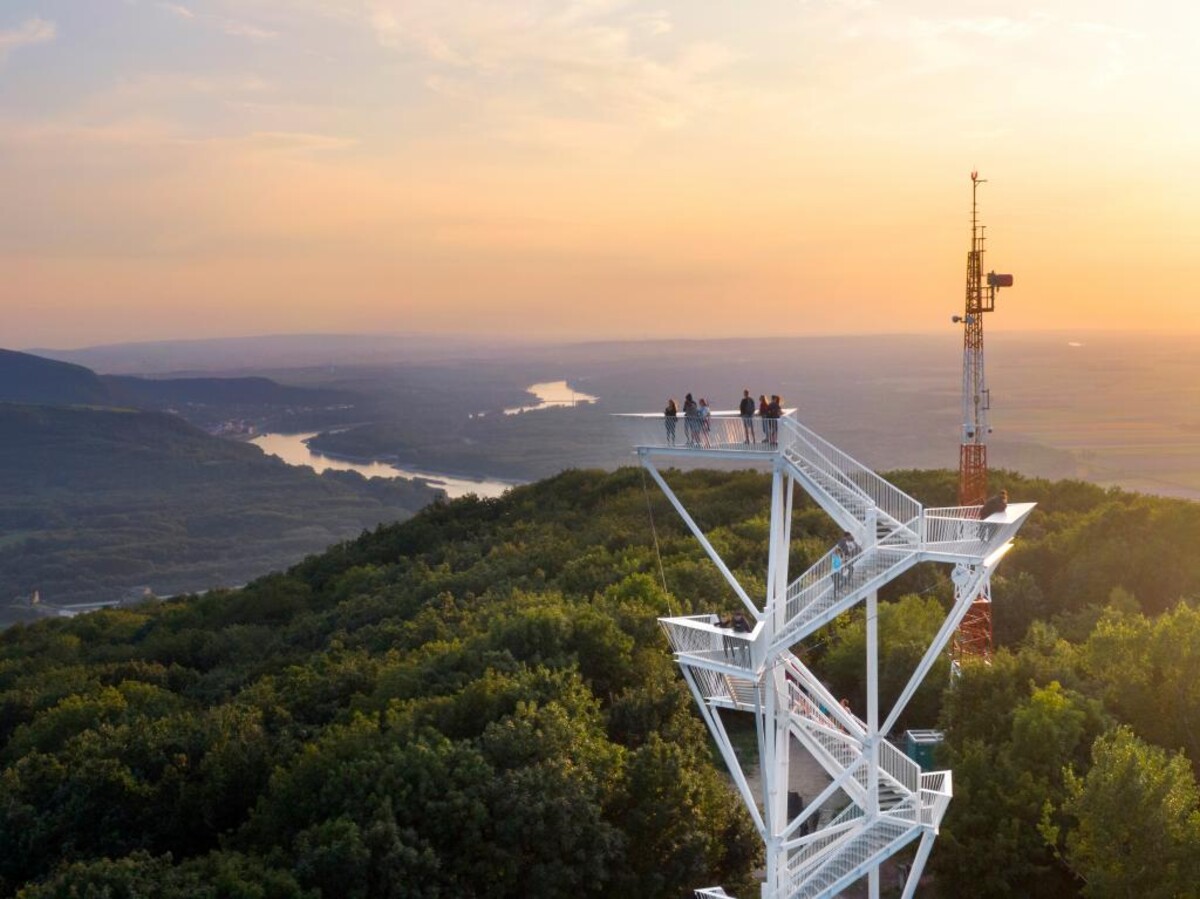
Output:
[[882, 799]]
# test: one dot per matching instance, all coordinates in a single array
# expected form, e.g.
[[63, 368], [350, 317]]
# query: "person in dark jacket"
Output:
[[741, 625], [746, 410], [994, 504], [670, 414], [691, 420], [774, 413], [845, 551]]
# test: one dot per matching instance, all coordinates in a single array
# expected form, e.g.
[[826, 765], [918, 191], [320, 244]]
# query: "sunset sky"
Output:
[[590, 169]]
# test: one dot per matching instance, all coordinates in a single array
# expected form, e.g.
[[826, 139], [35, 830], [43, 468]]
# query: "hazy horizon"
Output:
[[472, 338]]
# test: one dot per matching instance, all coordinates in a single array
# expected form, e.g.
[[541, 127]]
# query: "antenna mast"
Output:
[[974, 636]]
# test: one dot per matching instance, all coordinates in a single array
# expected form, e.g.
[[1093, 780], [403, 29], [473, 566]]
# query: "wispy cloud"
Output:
[[178, 9], [246, 30], [233, 27], [589, 67], [32, 31]]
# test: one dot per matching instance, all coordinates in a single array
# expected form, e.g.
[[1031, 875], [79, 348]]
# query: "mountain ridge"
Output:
[[94, 500]]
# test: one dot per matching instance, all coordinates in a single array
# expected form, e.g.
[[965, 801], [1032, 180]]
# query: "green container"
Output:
[[920, 746]]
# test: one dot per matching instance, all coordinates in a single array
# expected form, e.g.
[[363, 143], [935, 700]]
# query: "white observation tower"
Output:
[[877, 800]]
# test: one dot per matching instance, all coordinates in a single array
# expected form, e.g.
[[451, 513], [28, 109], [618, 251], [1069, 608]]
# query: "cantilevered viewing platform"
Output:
[[884, 801], [725, 432]]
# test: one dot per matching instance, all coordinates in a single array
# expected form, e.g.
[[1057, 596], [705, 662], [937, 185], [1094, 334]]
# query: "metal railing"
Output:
[[817, 693], [896, 769], [937, 789], [701, 638], [821, 588], [817, 874], [850, 813], [805, 706], [718, 431], [817, 848], [840, 471], [899, 767], [958, 529]]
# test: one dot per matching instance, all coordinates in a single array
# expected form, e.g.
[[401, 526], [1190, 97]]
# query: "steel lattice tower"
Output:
[[974, 637]]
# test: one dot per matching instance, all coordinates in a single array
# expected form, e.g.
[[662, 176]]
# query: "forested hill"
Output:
[[478, 703], [94, 502], [32, 379], [26, 378], [154, 394]]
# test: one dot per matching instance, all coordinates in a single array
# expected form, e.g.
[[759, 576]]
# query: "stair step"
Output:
[[874, 840]]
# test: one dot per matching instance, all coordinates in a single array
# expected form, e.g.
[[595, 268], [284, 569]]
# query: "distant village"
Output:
[[34, 604]]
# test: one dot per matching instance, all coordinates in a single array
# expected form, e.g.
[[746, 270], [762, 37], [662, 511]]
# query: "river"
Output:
[[551, 394], [292, 449]]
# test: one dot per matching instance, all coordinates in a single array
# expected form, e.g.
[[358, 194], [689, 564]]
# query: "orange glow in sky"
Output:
[[590, 169]]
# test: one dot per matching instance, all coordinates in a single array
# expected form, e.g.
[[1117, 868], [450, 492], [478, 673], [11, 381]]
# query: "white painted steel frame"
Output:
[[788, 702]]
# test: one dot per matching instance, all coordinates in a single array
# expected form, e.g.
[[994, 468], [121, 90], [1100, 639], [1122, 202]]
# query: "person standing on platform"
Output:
[[691, 420], [741, 625], [670, 415], [774, 413], [844, 551], [746, 410], [994, 504], [705, 415], [764, 409]]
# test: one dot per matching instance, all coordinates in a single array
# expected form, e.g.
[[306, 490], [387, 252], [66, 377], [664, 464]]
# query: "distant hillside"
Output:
[[273, 351], [95, 501], [25, 378], [148, 393], [32, 379]]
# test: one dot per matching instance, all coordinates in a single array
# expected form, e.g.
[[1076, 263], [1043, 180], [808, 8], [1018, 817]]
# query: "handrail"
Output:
[[899, 766], [839, 857], [821, 587], [818, 847], [848, 471], [718, 431], [816, 692], [936, 791], [958, 530], [700, 637], [844, 745]]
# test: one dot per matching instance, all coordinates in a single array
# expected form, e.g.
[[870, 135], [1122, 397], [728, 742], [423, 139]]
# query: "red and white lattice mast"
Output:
[[974, 636]]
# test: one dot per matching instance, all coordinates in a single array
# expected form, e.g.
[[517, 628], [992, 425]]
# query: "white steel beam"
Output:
[[949, 626], [699, 535], [717, 728], [918, 865]]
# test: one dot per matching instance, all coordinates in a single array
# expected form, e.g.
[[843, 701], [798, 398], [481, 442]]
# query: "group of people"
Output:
[[842, 561], [697, 419], [736, 649]]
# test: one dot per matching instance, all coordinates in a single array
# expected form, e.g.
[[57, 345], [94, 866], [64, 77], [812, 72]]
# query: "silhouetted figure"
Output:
[[746, 410], [670, 416], [844, 551], [774, 413], [691, 420], [994, 504], [705, 414], [741, 625], [725, 623]]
